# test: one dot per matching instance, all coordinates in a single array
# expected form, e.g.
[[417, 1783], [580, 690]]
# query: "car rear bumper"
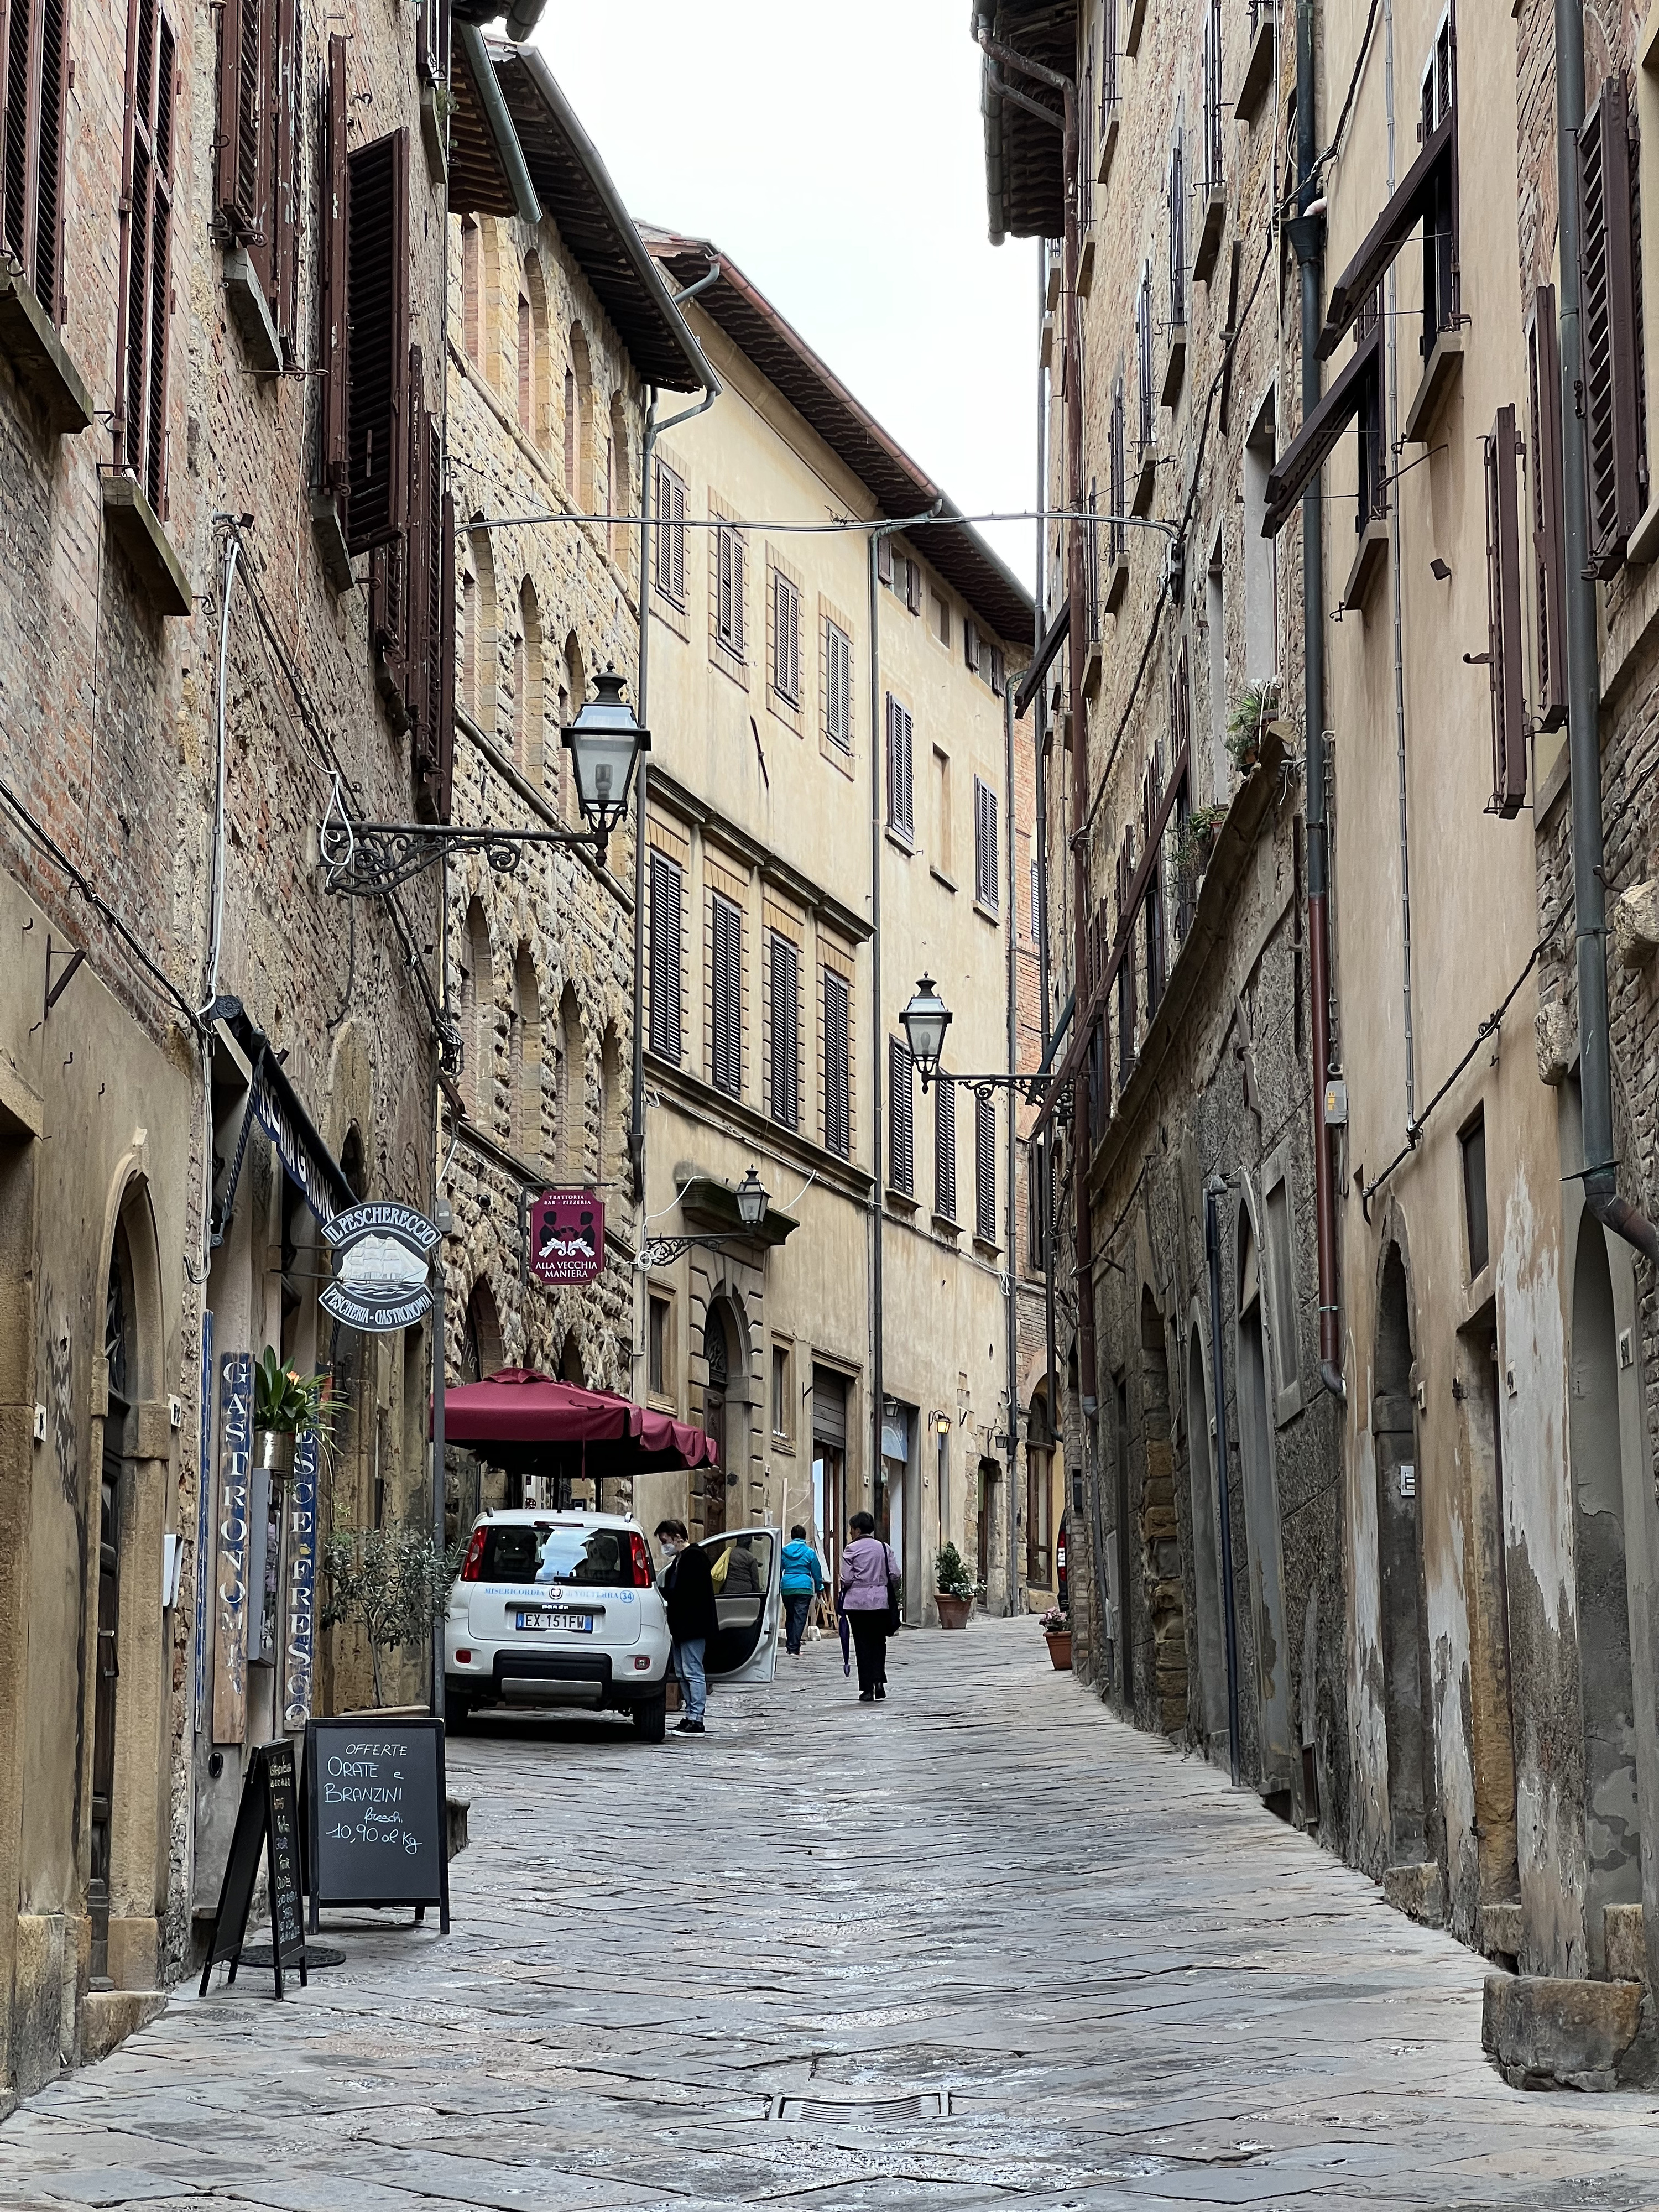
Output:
[[586, 1678]]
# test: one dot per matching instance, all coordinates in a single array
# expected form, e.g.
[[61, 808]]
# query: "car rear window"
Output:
[[548, 1552]]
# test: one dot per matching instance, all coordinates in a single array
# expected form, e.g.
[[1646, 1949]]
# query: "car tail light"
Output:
[[472, 1566], [463, 1658], [643, 1576]]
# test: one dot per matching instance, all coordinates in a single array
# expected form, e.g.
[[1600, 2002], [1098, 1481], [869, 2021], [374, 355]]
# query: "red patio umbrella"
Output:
[[507, 1417]]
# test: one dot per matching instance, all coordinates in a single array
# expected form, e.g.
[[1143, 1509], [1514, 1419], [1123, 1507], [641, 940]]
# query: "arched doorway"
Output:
[[1261, 1525], [1607, 1693], [720, 1346], [1206, 1571], [1160, 1529], [121, 1365], [1400, 1576]]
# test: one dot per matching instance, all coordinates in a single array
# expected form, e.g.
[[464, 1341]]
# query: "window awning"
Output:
[[1404, 211], [1314, 442]]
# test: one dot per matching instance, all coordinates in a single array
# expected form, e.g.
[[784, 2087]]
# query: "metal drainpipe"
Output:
[[878, 1037], [1013, 1296], [1039, 1164], [653, 430], [1313, 717], [1585, 684], [1394, 587], [1214, 1190]]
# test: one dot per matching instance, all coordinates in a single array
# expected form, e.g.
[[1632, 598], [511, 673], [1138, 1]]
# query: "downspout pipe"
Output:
[[1602, 1194], [653, 430], [1306, 234], [1214, 1191], [1012, 1294]]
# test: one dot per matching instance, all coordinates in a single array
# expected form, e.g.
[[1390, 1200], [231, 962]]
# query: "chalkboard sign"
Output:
[[376, 1814], [268, 1821]]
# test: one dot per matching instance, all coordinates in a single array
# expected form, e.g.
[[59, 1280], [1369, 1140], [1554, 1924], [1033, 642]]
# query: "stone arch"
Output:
[[1407, 1718], [1209, 1623], [613, 1119], [1160, 1528], [573, 690], [481, 1350], [578, 423], [529, 691], [571, 1133], [1255, 1446], [526, 1057], [1606, 1683], [728, 1412], [478, 1016], [480, 642]]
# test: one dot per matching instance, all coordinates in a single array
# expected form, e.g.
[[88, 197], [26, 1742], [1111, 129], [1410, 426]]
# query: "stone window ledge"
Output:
[[31, 343], [250, 311], [136, 527]]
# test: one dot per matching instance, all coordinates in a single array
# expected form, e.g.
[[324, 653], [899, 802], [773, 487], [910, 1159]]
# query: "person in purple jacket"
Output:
[[866, 1566]]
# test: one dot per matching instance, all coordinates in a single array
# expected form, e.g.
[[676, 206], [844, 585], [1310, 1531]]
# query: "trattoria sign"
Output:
[[567, 1237], [382, 1266]]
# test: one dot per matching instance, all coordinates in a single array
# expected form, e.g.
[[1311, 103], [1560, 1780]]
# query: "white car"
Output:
[[563, 1608]]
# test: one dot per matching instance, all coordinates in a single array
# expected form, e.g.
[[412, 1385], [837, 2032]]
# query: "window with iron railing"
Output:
[[1440, 255], [1091, 564], [1144, 356], [1177, 235], [1117, 490], [1108, 61], [1212, 173], [1085, 158], [1373, 502]]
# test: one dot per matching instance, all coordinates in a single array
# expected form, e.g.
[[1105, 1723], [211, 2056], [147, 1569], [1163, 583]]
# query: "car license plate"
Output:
[[580, 1624]]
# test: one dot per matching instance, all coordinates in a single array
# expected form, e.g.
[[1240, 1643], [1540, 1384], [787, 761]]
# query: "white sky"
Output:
[[834, 151]]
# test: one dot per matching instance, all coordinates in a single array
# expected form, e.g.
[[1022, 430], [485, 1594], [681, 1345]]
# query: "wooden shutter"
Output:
[[33, 130], [739, 590], [432, 41], [143, 302], [999, 671], [884, 561], [837, 1065], [335, 335], [726, 994], [785, 637], [838, 687], [944, 1147], [240, 169], [671, 535], [289, 136], [1548, 503], [433, 656], [1617, 463], [901, 812], [987, 874], [971, 645], [900, 1119], [912, 586], [665, 889], [377, 311], [985, 1171], [1504, 647], [784, 1067], [1178, 235]]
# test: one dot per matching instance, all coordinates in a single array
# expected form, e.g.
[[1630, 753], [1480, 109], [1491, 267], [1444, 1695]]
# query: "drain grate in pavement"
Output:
[[927, 2105]]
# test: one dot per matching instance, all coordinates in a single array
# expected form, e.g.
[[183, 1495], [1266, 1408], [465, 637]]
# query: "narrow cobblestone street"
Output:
[[983, 1944]]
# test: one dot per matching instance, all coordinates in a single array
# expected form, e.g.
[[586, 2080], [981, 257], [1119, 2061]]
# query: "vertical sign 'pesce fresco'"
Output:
[[298, 1631], [204, 1518], [230, 1640]]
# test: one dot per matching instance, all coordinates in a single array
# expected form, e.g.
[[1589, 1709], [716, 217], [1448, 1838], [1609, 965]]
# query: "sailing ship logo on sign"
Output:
[[382, 1266]]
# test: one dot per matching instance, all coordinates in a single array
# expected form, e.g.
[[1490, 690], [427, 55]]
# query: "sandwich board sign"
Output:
[[382, 1255], [268, 1822], [567, 1237], [377, 1816]]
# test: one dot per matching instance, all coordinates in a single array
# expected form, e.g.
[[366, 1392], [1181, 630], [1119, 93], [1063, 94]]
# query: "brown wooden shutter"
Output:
[[144, 300], [239, 163], [985, 871], [33, 131], [432, 40], [900, 809], [944, 1147], [377, 310], [335, 333], [726, 994], [393, 598], [1503, 646], [1548, 530], [884, 561], [985, 1171], [1616, 463], [288, 136], [837, 1065], [971, 645], [901, 1118], [665, 892], [785, 1058], [739, 591], [723, 544]]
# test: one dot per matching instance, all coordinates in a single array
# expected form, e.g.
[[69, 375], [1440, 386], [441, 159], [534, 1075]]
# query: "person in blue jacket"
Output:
[[803, 1579]]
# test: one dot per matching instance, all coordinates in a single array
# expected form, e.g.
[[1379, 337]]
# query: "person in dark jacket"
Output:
[[688, 1588]]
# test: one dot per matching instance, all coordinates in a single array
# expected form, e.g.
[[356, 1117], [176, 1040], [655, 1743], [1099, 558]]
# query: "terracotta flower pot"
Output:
[[1060, 1650], [953, 1612]]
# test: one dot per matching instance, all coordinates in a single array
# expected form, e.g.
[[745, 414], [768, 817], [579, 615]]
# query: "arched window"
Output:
[[529, 691], [527, 1059], [493, 306], [478, 1017], [526, 368], [472, 289], [535, 398], [484, 645], [481, 1344], [578, 424], [573, 1086]]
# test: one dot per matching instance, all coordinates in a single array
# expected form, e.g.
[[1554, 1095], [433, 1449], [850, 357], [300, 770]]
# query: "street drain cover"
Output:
[[928, 2105]]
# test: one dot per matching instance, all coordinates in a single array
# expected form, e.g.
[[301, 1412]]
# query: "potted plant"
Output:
[[953, 1590], [1056, 1625], [1254, 709], [1195, 845], [287, 1405], [391, 1584]]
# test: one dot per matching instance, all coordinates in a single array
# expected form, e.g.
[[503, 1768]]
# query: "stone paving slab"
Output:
[[981, 1946]]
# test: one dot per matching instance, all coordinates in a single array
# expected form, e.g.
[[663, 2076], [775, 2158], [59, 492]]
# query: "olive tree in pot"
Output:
[[391, 1584], [953, 1590]]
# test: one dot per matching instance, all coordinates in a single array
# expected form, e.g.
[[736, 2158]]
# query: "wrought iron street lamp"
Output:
[[924, 1021], [751, 1197], [604, 742]]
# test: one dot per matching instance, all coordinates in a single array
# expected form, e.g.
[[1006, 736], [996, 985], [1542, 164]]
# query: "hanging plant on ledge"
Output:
[[287, 1405], [1254, 709]]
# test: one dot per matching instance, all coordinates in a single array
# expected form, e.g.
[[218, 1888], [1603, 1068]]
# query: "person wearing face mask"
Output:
[[688, 1588]]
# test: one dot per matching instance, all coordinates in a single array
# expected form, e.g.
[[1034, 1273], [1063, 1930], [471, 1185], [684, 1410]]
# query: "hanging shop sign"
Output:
[[268, 1823], [567, 1237], [382, 1266]]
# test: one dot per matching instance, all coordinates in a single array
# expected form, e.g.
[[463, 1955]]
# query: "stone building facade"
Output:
[[866, 1326], [558, 329]]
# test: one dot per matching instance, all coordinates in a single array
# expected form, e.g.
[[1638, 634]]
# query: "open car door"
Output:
[[747, 1565]]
